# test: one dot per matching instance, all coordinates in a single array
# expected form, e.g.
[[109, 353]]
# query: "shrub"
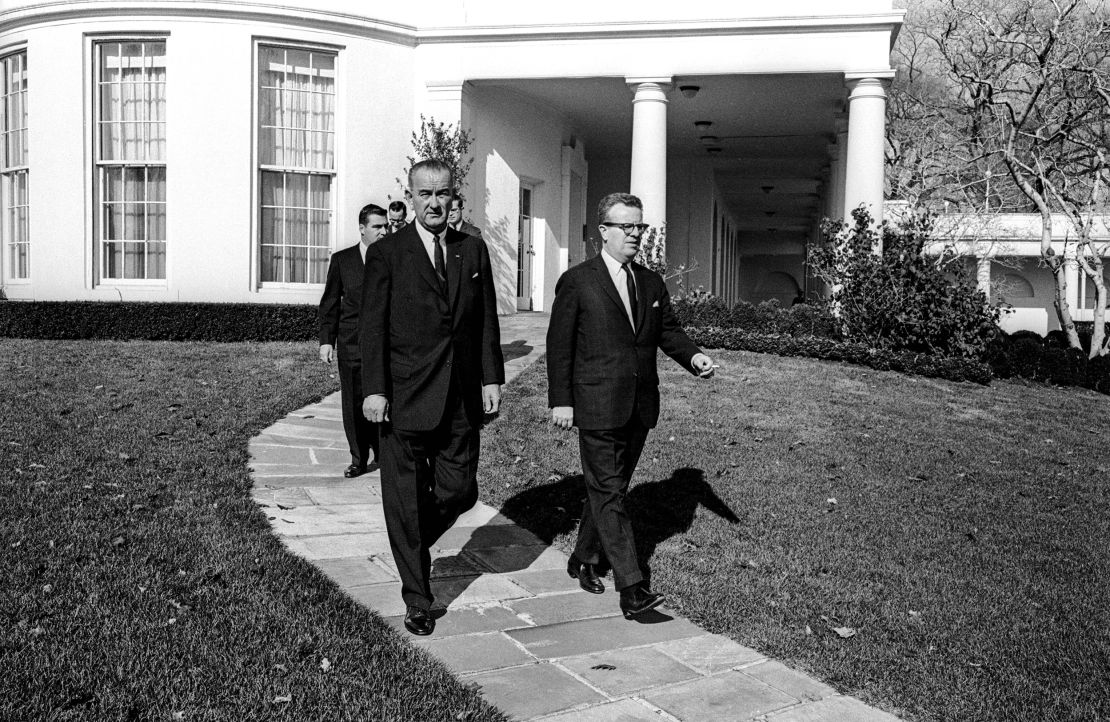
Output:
[[899, 298], [134, 320], [1024, 354], [766, 317], [953, 369]]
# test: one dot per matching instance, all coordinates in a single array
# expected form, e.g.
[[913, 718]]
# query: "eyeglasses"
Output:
[[627, 228], [395, 223]]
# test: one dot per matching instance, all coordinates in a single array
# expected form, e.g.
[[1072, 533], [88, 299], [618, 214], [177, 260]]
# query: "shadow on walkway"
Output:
[[659, 510]]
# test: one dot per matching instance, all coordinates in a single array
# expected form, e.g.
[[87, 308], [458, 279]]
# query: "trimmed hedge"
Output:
[[767, 317], [1025, 354], [157, 321], [952, 369]]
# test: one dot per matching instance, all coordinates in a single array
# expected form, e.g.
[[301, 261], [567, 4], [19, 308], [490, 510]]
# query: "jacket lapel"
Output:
[[639, 274], [452, 249], [419, 259], [606, 282]]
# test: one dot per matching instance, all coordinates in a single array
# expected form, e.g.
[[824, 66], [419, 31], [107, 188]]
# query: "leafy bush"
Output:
[[953, 369], [900, 299], [134, 320]]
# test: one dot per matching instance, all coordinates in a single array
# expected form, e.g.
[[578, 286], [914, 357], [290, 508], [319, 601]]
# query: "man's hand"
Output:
[[563, 416], [703, 365], [491, 398], [327, 352], [376, 408]]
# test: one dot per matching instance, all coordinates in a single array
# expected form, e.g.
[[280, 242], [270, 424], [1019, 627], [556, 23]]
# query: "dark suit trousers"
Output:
[[609, 458], [429, 478], [362, 435]]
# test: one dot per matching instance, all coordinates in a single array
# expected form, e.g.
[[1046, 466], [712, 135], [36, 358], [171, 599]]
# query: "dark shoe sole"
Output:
[[421, 631], [630, 613]]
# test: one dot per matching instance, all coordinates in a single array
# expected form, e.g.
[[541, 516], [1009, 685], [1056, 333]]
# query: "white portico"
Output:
[[740, 126]]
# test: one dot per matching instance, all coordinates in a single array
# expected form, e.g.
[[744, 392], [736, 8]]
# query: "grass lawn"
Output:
[[137, 578], [961, 532]]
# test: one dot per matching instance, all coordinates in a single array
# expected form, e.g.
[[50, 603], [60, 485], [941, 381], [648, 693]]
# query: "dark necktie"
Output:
[[631, 286], [441, 267]]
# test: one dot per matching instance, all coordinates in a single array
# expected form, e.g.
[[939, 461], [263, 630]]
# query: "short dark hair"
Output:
[[369, 210], [399, 207], [461, 199], [616, 199], [435, 165]]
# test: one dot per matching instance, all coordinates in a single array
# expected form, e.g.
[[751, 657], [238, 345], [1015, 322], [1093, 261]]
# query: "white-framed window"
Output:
[[15, 224], [130, 158], [296, 163]]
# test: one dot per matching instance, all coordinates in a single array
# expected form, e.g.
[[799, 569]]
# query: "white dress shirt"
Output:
[[362, 248], [428, 239], [617, 271]]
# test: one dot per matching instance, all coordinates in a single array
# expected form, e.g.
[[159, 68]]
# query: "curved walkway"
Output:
[[518, 626]]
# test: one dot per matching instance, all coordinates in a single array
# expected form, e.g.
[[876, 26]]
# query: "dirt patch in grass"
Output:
[[137, 577], [960, 531]]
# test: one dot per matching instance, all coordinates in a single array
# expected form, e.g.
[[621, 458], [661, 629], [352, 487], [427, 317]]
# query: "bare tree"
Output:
[[1015, 90]]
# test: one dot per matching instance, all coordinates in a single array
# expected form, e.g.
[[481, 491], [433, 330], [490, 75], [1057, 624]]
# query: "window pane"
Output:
[[272, 189], [272, 226], [318, 228], [134, 184], [134, 260], [113, 221], [296, 264], [271, 264], [156, 184], [296, 190], [156, 260], [318, 265], [113, 260], [271, 66], [156, 221], [134, 222], [296, 227]]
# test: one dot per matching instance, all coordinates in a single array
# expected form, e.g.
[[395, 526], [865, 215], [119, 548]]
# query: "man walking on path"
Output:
[[339, 314], [431, 366], [609, 317]]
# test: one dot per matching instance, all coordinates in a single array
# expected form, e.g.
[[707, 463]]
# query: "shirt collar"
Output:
[[612, 264], [427, 236]]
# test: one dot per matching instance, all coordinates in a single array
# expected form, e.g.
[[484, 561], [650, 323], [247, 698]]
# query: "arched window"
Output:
[[1012, 288]]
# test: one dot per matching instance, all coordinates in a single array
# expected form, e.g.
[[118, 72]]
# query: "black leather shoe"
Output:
[[586, 575], [354, 470], [637, 599], [372, 466], [419, 621]]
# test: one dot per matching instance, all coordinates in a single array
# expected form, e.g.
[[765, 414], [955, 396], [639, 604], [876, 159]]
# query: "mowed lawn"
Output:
[[137, 578], [938, 549]]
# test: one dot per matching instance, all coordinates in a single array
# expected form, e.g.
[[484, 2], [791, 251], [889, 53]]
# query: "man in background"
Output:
[[339, 318], [609, 318], [398, 216], [455, 219]]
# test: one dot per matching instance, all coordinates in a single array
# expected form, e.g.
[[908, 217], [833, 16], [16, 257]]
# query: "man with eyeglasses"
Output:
[[609, 317], [398, 216]]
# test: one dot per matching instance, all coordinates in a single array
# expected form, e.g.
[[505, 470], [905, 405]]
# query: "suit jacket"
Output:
[[470, 229], [595, 361], [414, 336], [340, 304]]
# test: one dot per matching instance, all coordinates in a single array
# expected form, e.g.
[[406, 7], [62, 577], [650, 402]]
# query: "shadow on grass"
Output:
[[542, 513]]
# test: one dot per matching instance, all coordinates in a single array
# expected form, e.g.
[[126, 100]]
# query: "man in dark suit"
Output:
[[339, 313], [398, 216], [609, 317], [455, 218], [431, 366]]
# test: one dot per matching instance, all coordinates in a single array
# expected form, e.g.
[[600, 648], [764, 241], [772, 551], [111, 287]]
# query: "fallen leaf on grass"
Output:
[[37, 466], [603, 666], [844, 632], [125, 457], [119, 540], [796, 444], [178, 716], [325, 664], [809, 629], [283, 699]]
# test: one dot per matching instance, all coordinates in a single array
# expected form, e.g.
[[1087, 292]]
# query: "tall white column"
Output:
[[649, 146], [983, 274], [863, 168], [841, 164]]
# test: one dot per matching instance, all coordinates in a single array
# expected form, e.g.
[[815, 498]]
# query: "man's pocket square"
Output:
[[475, 275], [655, 304]]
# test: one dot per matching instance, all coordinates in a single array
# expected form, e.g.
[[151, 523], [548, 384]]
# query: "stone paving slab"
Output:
[[354, 491], [337, 545], [520, 558], [710, 653], [476, 652], [328, 520], [469, 620], [569, 639], [726, 696], [833, 709], [793, 683], [545, 581], [383, 598], [624, 710], [354, 571], [618, 672], [456, 592], [555, 608], [533, 690]]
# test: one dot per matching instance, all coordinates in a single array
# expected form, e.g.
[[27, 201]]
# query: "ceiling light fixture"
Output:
[[703, 125], [766, 189], [689, 90], [713, 149], [708, 138]]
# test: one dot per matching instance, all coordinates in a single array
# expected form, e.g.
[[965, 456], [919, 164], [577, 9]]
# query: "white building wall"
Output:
[[516, 139], [211, 179]]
